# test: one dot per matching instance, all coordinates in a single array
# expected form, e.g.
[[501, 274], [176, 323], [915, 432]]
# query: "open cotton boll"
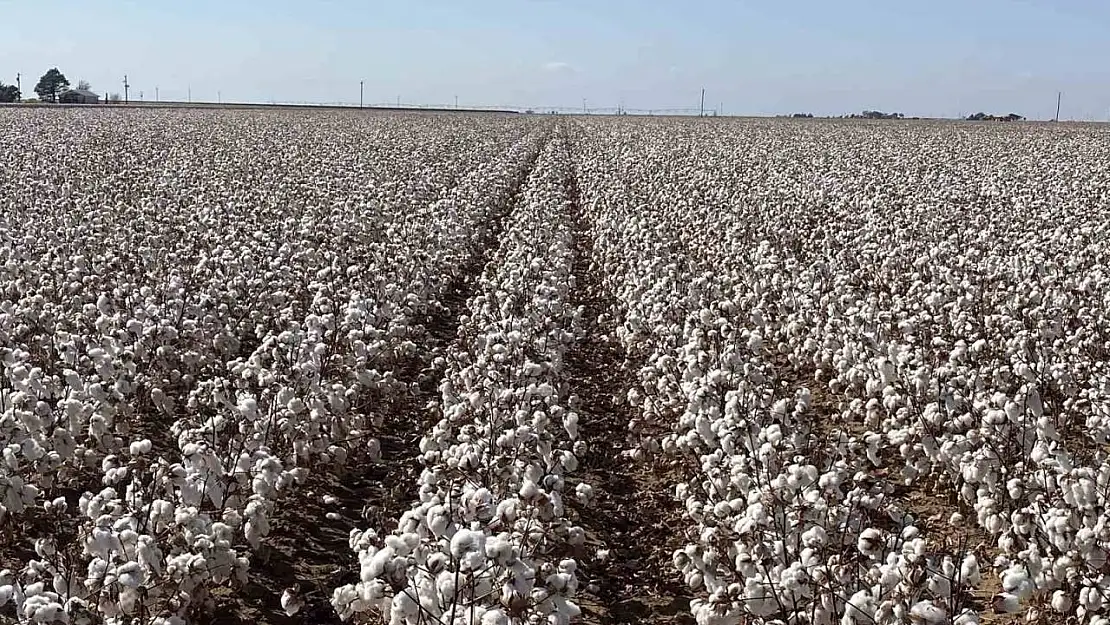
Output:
[[141, 447], [468, 547], [928, 613]]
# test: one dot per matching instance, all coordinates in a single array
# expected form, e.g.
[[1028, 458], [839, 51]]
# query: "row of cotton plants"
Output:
[[490, 540], [984, 370], [191, 376], [954, 369]]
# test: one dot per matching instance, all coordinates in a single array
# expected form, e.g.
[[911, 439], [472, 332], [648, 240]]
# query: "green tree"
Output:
[[9, 93], [51, 84]]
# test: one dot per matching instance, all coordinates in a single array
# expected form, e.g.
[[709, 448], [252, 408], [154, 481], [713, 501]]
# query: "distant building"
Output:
[[78, 96]]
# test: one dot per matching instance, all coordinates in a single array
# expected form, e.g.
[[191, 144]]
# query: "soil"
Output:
[[634, 514]]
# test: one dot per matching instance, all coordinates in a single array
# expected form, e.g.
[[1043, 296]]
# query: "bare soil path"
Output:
[[633, 516]]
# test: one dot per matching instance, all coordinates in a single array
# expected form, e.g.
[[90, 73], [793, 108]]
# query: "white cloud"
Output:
[[558, 66]]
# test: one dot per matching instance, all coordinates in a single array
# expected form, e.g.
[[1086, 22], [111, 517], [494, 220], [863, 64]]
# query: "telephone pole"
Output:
[[1059, 94], [584, 106], [18, 85], [456, 101], [125, 88], [360, 94], [701, 109], [156, 95], [190, 88]]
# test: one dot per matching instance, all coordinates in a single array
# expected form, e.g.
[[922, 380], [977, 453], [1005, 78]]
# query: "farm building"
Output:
[[79, 96]]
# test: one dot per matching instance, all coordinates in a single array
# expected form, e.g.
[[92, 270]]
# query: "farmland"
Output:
[[318, 366]]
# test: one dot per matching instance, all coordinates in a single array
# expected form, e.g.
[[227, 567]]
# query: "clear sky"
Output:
[[930, 58]]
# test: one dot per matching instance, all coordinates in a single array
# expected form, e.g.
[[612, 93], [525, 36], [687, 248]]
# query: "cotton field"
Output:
[[296, 366]]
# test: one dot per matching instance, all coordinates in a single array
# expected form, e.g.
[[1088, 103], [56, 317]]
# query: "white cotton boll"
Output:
[[6, 592], [1016, 580], [755, 342], [130, 575], [373, 563], [570, 424], [437, 520], [869, 542], [584, 492], [1090, 598], [291, 601], [142, 447], [404, 605], [969, 570], [495, 617], [248, 407], [1061, 602], [528, 490], [928, 613]]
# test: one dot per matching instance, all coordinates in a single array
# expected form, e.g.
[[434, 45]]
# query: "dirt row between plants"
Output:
[[634, 524]]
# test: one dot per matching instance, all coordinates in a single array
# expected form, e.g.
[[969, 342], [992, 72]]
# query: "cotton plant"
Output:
[[489, 538], [906, 390], [217, 353]]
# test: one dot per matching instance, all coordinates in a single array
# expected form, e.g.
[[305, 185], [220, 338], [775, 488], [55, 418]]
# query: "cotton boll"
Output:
[[584, 492], [570, 424], [928, 613], [142, 447], [291, 601], [969, 570], [869, 542], [495, 617], [1061, 602], [469, 548]]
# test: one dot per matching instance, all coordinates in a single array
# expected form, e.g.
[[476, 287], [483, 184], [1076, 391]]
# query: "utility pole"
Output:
[[701, 110], [360, 94], [584, 106], [18, 85], [456, 101], [398, 101], [157, 97], [1059, 94], [219, 98], [125, 88], [190, 88], [140, 96]]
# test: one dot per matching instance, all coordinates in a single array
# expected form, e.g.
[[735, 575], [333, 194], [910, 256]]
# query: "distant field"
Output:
[[304, 365]]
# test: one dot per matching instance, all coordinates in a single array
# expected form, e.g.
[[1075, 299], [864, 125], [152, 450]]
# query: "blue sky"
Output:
[[936, 58]]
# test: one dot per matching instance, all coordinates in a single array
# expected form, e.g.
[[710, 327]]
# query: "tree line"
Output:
[[51, 85]]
